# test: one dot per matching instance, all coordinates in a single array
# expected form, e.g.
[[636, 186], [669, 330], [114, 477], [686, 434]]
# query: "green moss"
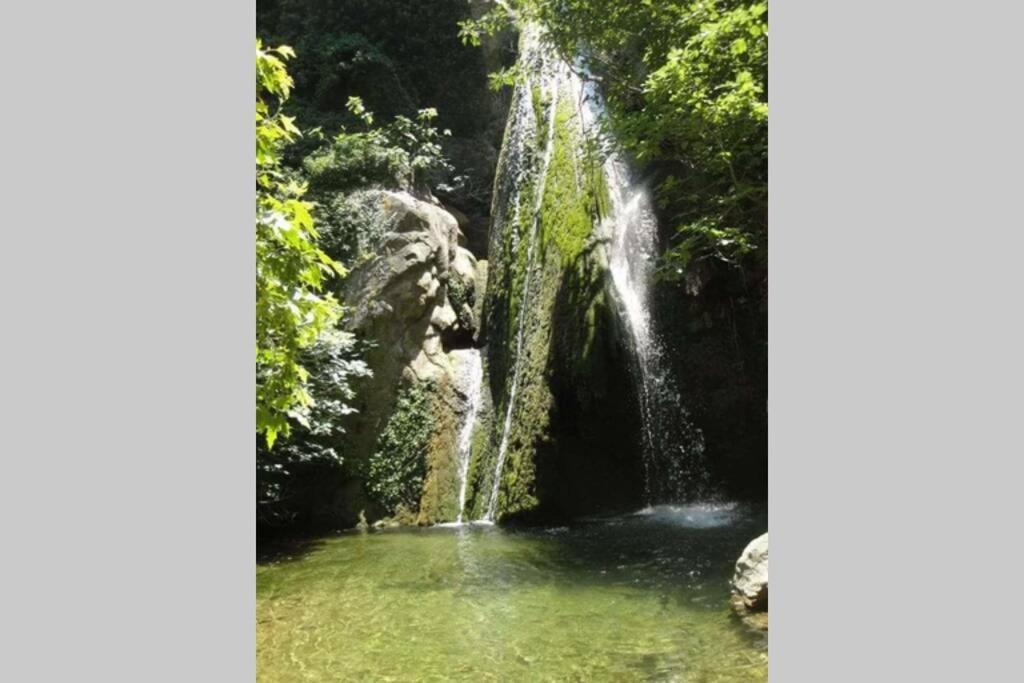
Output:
[[538, 104], [564, 318], [481, 466], [462, 298], [574, 198], [440, 499], [574, 190], [396, 470]]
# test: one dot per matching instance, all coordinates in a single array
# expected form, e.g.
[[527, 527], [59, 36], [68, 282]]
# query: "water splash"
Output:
[[470, 382], [695, 516]]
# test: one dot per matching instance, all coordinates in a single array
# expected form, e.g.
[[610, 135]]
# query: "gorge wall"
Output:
[[558, 431], [520, 296], [562, 440]]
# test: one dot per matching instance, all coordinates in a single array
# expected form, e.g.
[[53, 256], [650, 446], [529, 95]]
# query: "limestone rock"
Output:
[[750, 583], [401, 298], [409, 302]]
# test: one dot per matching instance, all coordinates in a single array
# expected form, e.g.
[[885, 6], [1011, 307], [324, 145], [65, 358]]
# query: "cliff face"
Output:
[[562, 440], [414, 303], [718, 341], [558, 431]]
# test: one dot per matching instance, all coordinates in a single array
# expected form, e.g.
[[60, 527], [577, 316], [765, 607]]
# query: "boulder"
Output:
[[401, 299], [750, 584], [412, 301]]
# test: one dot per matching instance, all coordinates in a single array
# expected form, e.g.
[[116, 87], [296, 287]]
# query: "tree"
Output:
[[292, 313]]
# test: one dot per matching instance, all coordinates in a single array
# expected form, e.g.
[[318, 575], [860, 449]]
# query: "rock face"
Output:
[[413, 302], [564, 439], [750, 583], [400, 299]]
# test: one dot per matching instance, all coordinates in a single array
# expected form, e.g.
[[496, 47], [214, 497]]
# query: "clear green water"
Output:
[[635, 598]]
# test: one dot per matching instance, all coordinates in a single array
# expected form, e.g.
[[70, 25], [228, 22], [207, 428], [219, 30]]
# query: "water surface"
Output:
[[640, 597]]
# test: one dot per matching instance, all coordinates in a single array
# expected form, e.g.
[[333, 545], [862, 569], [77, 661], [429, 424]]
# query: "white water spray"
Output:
[[672, 447], [470, 383]]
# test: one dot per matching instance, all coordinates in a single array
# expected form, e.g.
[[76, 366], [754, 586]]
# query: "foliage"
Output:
[[505, 77], [686, 86], [472, 31], [404, 153], [351, 223], [462, 297], [332, 365], [397, 469], [291, 312], [400, 56]]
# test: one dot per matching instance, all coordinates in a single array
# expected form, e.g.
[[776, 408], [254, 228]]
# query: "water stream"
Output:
[[470, 378], [673, 447]]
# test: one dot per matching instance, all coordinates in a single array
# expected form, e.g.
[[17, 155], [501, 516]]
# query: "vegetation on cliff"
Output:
[[400, 57], [309, 218], [398, 468]]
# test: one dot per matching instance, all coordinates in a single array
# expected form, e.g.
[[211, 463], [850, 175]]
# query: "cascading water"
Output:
[[550, 73], [470, 382], [673, 448]]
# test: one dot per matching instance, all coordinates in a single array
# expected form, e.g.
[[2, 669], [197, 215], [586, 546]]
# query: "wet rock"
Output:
[[750, 584]]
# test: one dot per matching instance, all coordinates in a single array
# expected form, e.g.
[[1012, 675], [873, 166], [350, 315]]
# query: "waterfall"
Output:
[[524, 123], [470, 381], [673, 447]]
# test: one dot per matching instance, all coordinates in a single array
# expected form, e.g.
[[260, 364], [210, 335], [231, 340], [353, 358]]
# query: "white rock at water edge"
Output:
[[750, 581]]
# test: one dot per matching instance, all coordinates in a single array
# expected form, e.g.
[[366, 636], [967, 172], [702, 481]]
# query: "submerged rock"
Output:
[[750, 584]]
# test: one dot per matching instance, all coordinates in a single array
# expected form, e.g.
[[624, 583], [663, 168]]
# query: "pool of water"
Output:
[[636, 597]]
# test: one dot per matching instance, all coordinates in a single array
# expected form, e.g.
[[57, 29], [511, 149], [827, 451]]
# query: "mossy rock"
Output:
[[573, 445]]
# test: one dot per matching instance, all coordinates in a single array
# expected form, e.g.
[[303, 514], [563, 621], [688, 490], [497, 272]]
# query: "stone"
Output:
[[401, 300], [403, 288], [465, 264], [750, 584]]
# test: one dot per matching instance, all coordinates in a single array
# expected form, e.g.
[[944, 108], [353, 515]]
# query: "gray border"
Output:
[[895, 343], [127, 279], [127, 346]]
